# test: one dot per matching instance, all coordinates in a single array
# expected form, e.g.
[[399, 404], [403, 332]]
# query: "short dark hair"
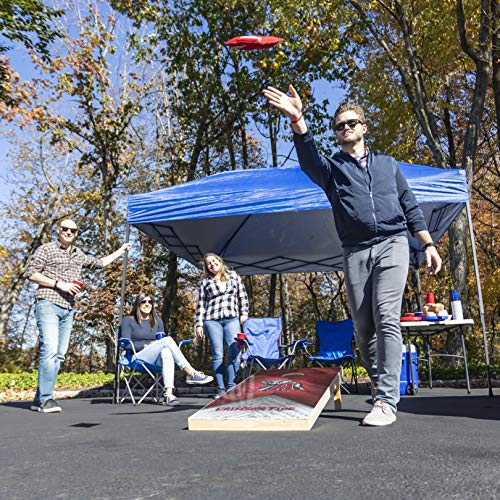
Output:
[[349, 106]]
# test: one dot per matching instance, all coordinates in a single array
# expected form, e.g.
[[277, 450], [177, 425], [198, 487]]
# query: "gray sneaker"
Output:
[[380, 415], [220, 393], [170, 400], [48, 406], [198, 378]]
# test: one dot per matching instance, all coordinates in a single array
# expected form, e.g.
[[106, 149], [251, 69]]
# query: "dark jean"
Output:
[[54, 326], [222, 332]]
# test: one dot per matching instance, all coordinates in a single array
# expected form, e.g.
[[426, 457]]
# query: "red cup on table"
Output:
[[79, 284], [241, 337]]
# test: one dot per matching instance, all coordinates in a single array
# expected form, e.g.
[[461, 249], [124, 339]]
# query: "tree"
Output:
[[30, 23]]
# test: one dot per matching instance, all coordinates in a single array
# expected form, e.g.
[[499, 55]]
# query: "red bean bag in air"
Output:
[[253, 42]]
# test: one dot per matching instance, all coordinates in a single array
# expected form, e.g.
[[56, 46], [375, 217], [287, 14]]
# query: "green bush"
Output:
[[25, 381]]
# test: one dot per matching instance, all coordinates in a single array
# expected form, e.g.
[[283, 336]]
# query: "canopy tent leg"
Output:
[[122, 302], [479, 297]]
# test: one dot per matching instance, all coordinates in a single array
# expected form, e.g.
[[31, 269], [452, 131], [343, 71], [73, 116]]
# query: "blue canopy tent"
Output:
[[276, 220]]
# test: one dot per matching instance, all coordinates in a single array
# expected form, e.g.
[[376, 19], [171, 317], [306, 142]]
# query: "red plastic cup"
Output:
[[430, 298], [79, 284], [241, 336]]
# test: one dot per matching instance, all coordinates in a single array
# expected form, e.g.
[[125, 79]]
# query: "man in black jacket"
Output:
[[373, 208]]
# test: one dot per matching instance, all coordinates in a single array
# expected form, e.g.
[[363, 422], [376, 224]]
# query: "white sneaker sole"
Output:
[[58, 409], [379, 423], [201, 382]]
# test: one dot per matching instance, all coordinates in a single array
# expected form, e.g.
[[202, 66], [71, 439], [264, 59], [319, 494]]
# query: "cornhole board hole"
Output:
[[272, 400]]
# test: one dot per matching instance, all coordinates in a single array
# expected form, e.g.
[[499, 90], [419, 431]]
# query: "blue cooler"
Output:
[[405, 380]]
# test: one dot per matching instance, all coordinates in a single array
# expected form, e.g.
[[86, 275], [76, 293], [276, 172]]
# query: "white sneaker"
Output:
[[380, 415], [170, 400], [198, 378]]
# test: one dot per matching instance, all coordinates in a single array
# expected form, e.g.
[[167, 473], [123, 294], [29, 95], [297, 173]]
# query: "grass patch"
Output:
[[26, 381]]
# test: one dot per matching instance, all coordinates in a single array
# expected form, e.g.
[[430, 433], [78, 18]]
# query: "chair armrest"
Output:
[[126, 344], [185, 342], [241, 341], [308, 343], [296, 343]]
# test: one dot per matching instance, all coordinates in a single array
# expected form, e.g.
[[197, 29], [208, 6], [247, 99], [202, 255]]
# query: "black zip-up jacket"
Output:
[[368, 206]]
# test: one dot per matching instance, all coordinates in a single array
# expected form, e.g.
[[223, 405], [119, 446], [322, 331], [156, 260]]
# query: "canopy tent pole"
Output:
[[124, 274], [479, 297], [120, 317]]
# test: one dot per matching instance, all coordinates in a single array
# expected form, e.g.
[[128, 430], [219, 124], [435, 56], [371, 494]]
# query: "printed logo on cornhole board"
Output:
[[287, 400]]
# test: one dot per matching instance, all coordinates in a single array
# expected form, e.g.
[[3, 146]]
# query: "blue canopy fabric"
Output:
[[275, 220]]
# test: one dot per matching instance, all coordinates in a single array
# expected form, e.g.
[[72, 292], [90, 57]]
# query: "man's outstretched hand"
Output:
[[291, 106]]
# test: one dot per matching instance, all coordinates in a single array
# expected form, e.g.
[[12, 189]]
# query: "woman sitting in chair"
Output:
[[222, 298], [141, 328]]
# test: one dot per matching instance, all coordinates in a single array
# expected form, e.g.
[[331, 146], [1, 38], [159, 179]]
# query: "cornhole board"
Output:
[[272, 400]]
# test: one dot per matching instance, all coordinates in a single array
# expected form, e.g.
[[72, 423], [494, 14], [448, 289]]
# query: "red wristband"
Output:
[[297, 120]]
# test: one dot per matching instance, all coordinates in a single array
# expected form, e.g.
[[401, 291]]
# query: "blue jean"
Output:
[[165, 353], [222, 332], [375, 279], [54, 327]]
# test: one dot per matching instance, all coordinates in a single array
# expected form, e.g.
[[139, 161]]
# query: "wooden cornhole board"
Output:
[[272, 400]]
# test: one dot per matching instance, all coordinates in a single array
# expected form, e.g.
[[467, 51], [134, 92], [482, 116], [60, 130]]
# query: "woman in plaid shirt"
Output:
[[222, 309]]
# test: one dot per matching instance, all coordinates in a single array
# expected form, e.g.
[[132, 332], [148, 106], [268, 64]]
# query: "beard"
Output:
[[350, 139]]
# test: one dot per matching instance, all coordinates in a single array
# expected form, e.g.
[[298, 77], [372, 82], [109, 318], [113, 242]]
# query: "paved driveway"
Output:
[[445, 444]]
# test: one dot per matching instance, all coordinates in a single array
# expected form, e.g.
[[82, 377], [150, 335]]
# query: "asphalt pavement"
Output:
[[445, 444]]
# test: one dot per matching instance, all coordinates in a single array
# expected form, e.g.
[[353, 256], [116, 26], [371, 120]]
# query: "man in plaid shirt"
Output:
[[54, 267]]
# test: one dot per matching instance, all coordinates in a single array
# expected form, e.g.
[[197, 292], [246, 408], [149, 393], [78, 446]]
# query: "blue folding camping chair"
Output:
[[138, 376], [261, 348], [335, 347]]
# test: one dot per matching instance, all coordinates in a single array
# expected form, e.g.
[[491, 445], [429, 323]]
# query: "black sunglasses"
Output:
[[72, 230], [146, 301], [350, 123]]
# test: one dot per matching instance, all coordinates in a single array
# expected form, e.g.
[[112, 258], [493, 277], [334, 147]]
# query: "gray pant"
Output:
[[375, 279]]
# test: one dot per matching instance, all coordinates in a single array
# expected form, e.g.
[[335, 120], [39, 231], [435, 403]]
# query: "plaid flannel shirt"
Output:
[[363, 161], [215, 303], [55, 262]]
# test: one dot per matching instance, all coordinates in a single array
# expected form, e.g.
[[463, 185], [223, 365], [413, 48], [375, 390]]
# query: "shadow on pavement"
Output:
[[480, 407], [23, 405]]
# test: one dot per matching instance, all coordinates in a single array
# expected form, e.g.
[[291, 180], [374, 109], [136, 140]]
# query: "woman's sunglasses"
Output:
[[146, 301]]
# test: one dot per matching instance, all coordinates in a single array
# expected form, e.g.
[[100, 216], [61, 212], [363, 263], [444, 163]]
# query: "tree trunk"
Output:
[[247, 281], [495, 55], [272, 296], [460, 271], [285, 309], [170, 292], [110, 343], [273, 141]]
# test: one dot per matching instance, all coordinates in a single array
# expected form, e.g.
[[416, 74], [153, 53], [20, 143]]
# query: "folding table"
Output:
[[427, 329]]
